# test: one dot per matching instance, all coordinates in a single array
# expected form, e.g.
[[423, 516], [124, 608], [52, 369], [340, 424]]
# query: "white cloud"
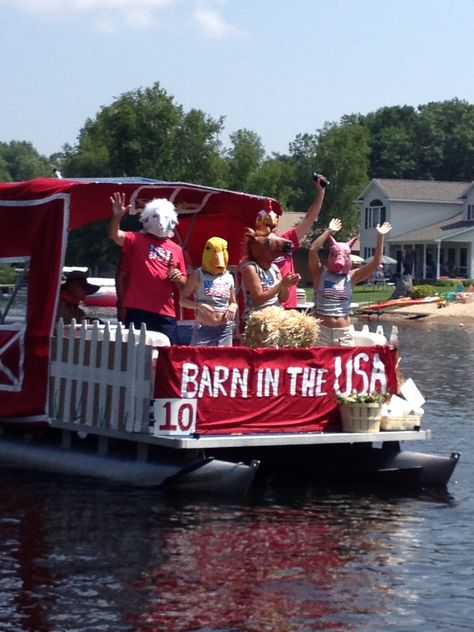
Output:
[[211, 22], [107, 14]]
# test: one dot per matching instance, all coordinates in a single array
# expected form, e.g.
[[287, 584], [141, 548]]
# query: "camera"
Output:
[[322, 180]]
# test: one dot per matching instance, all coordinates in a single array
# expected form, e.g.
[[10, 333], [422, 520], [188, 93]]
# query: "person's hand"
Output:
[[174, 275], [317, 184], [229, 315], [290, 279], [335, 225], [118, 204], [385, 228]]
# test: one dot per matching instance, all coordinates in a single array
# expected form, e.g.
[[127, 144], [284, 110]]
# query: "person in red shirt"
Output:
[[155, 266], [267, 218]]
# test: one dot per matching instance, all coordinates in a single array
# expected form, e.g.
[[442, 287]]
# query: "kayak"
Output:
[[399, 302]]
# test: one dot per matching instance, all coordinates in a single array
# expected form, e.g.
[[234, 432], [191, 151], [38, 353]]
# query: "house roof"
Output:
[[421, 190], [288, 220], [441, 230]]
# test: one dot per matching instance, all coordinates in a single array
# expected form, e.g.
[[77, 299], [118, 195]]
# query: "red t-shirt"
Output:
[[287, 266], [147, 258]]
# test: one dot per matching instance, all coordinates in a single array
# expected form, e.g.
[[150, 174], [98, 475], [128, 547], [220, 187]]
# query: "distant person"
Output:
[[152, 264], [214, 297], [74, 289], [267, 221], [334, 282]]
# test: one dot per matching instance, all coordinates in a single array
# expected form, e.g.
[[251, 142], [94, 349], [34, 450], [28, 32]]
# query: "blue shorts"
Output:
[[205, 336], [155, 322]]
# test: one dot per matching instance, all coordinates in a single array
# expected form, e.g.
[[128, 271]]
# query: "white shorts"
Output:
[[336, 336]]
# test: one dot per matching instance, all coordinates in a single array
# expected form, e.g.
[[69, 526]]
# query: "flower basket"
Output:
[[361, 416]]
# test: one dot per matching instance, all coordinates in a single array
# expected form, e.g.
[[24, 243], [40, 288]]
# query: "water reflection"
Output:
[[81, 555]]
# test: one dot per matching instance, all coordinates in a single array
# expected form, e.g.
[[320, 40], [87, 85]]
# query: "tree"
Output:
[[145, 133], [340, 152], [244, 159], [445, 140], [274, 179], [434, 141], [19, 160], [199, 158], [343, 154]]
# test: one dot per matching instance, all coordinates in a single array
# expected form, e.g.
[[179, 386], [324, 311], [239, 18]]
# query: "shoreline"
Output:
[[463, 313]]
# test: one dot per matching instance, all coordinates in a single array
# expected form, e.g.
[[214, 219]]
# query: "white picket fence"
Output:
[[101, 376]]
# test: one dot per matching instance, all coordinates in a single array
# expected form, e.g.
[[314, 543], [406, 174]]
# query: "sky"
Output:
[[276, 67]]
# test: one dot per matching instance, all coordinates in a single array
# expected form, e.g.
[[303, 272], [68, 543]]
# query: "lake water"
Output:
[[80, 555]]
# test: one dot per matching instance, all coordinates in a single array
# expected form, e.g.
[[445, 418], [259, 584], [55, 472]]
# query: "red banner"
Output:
[[240, 390]]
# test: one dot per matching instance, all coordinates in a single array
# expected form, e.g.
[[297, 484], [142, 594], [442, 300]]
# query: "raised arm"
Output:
[[314, 262], [312, 213], [366, 271], [119, 210]]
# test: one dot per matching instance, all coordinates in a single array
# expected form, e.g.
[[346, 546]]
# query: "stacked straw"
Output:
[[278, 327]]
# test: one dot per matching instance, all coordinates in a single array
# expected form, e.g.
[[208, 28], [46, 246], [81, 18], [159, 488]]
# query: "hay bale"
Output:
[[281, 328]]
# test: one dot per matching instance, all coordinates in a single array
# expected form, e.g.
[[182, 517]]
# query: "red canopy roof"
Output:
[[203, 211]]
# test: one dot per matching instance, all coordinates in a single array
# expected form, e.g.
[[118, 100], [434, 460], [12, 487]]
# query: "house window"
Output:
[[374, 214], [470, 211], [368, 252]]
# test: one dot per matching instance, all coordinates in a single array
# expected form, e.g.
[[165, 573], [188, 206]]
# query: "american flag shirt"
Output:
[[334, 294]]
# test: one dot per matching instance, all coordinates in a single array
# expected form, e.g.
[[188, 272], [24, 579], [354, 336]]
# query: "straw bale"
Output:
[[278, 327]]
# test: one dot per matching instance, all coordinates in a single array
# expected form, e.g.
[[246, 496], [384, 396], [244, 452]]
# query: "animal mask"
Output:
[[265, 249], [215, 256], [339, 260], [266, 220], [159, 218]]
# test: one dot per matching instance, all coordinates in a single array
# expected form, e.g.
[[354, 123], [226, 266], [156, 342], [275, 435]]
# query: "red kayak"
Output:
[[399, 302]]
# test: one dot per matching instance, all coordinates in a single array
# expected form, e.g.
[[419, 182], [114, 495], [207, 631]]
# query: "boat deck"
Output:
[[267, 439]]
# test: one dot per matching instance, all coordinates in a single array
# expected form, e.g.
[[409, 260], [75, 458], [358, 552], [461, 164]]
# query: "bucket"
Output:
[[361, 417]]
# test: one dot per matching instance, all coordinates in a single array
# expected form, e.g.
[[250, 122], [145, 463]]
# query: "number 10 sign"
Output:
[[175, 416]]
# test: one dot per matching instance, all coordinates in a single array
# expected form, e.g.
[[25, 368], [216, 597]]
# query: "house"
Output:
[[432, 225]]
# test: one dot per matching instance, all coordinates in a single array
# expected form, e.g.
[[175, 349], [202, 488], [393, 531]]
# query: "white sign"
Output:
[[175, 416]]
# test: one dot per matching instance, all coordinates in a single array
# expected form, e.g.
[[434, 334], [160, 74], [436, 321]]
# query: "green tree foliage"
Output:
[[340, 152], [146, 133], [445, 141], [432, 142], [343, 154], [19, 160], [274, 179], [244, 159], [392, 141]]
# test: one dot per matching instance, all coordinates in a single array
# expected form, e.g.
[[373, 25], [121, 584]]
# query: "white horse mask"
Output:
[[159, 218]]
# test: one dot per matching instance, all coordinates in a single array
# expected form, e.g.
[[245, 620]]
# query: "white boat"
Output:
[[100, 400]]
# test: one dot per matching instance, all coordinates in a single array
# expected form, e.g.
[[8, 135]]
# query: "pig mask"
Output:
[[339, 260]]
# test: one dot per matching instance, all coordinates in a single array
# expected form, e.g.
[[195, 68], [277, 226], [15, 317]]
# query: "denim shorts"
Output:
[[205, 336]]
